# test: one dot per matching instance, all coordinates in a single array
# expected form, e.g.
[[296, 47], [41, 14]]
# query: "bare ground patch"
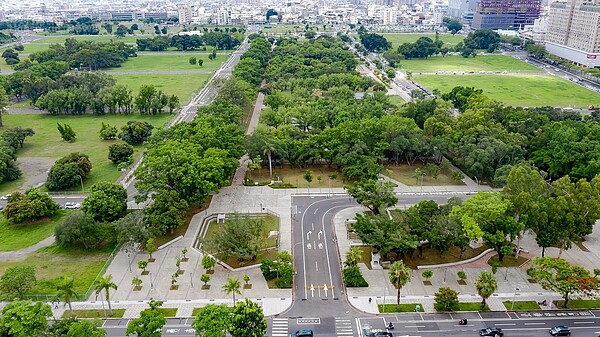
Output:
[[35, 170]]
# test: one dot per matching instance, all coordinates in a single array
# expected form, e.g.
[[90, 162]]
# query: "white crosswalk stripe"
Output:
[[279, 327], [344, 327]]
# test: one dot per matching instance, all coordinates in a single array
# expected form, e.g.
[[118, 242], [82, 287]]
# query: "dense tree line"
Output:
[[217, 40], [374, 42], [185, 163], [87, 54]]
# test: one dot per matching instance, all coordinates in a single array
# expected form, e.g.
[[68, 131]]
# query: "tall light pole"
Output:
[[513, 301], [191, 280], [81, 180]]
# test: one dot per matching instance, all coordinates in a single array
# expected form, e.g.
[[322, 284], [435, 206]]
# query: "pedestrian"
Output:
[[369, 300]]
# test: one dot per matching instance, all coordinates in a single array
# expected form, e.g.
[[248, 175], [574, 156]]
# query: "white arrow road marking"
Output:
[[325, 288], [308, 235], [312, 290], [319, 234]]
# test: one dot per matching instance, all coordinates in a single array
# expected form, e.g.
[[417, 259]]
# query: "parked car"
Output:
[[72, 205], [560, 330], [302, 333], [494, 332]]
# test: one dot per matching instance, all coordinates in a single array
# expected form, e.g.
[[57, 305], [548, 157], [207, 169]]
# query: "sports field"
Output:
[[456, 63], [517, 90]]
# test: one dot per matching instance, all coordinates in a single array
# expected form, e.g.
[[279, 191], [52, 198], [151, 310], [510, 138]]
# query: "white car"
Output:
[[5, 197], [72, 205]]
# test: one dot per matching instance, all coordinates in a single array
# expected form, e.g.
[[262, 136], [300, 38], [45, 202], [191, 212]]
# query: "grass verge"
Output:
[[471, 306], [168, 312], [15, 237], [183, 86], [408, 307], [521, 305], [94, 313]]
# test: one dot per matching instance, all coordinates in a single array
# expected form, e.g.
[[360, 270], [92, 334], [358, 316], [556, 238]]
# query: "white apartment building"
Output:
[[574, 31], [223, 16], [184, 13]]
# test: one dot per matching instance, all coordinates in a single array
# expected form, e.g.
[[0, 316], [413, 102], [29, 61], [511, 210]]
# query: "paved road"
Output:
[[584, 323]]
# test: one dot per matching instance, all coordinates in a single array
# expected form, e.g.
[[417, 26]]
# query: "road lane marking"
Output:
[[415, 326], [577, 322], [317, 265], [541, 323], [316, 210], [503, 324]]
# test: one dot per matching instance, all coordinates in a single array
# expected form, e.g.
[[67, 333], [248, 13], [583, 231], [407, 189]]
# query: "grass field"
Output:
[[404, 174], [184, 86], [21, 236], [54, 262], [295, 176], [99, 38], [521, 305], [471, 306], [518, 90], [399, 38], [47, 142], [402, 307], [474, 64], [156, 62]]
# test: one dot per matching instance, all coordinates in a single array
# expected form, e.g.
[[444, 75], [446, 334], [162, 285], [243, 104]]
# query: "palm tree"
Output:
[[353, 257], [486, 285], [232, 287], [105, 283], [399, 274], [65, 291]]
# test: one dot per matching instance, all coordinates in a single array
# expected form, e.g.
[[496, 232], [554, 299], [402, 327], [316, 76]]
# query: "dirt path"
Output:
[[35, 170]]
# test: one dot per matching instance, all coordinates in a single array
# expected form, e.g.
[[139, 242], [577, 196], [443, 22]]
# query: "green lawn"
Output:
[[21, 236], [54, 262], [399, 38], [521, 305], [94, 313], [508, 261], [518, 90], [47, 142], [579, 304], [156, 62], [472, 64], [184, 86], [471, 306], [408, 307], [404, 174], [168, 312]]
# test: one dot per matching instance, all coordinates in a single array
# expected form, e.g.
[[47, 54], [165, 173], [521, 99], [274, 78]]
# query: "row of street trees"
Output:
[[217, 40]]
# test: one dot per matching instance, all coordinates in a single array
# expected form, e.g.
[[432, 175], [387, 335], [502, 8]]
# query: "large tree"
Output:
[[212, 321], [561, 276], [106, 202], [487, 215], [24, 319], [86, 327], [166, 213], [239, 237], [31, 206], [247, 320], [149, 324], [17, 281], [376, 195]]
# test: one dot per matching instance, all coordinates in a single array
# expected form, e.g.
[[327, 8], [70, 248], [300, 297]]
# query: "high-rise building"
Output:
[[574, 31], [505, 14], [462, 9], [184, 12], [223, 16]]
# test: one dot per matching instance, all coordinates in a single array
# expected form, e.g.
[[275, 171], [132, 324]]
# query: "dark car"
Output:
[[560, 330], [495, 332], [379, 334], [302, 333]]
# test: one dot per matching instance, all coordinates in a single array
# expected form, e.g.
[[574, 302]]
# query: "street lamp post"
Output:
[[81, 180], [513, 301], [151, 284], [191, 280]]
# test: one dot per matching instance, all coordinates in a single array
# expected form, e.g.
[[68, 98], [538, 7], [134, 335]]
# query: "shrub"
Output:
[[32, 205], [446, 299], [80, 230], [354, 278], [120, 153], [268, 269]]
